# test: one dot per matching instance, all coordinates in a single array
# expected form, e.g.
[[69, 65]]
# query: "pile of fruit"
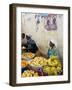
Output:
[[49, 66], [27, 55], [38, 62], [53, 67], [29, 73], [24, 63]]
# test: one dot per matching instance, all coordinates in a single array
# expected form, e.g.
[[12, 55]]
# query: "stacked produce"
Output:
[[40, 64], [29, 73], [27, 55], [24, 63], [51, 66], [54, 66]]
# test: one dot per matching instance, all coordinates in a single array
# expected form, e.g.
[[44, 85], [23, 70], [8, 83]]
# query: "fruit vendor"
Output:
[[28, 44], [52, 51], [31, 45]]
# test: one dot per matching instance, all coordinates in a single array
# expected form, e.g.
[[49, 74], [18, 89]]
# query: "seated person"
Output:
[[32, 47], [52, 51]]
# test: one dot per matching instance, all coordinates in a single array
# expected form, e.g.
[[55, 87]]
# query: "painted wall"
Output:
[[40, 34]]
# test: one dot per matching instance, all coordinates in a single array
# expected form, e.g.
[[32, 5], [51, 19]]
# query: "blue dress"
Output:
[[52, 52]]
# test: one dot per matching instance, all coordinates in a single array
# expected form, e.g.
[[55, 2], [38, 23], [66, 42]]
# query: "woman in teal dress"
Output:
[[52, 51]]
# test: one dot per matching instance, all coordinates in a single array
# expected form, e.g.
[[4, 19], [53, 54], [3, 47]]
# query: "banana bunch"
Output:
[[54, 66], [53, 61], [49, 70], [29, 73]]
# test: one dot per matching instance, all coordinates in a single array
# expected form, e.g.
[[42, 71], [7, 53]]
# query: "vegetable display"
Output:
[[41, 66]]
